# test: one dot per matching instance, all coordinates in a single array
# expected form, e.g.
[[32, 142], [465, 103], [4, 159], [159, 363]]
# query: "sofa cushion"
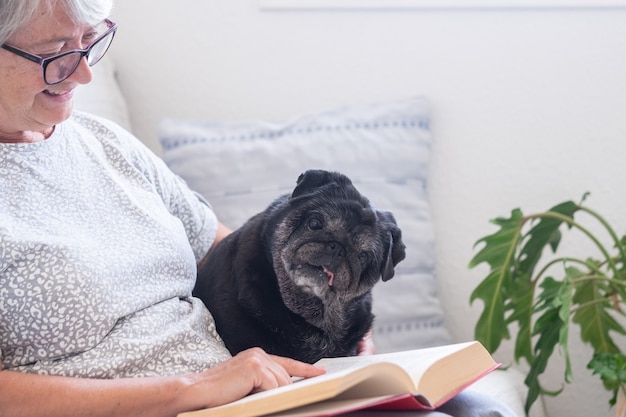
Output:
[[384, 148]]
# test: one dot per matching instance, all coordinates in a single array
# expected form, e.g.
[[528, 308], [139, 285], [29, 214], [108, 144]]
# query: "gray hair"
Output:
[[14, 14]]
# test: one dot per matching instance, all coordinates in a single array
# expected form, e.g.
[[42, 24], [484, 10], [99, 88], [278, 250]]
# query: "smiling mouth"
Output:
[[57, 93]]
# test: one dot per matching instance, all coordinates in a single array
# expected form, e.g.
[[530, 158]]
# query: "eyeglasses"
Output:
[[59, 67]]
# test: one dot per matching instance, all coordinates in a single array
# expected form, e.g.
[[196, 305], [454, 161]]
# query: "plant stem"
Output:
[[620, 406], [577, 225], [609, 229], [590, 303], [565, 260]]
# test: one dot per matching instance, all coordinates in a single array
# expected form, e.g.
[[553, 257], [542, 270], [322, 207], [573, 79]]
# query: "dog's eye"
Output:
[[315, 224], [364, 257]]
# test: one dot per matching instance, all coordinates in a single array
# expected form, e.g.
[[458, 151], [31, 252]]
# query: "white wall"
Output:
[[529, 106]]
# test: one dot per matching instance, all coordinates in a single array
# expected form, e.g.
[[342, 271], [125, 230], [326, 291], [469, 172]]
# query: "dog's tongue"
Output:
[[331, 276]]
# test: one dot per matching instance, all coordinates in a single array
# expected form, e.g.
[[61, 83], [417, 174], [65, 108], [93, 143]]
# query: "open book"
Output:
[[415, 379]]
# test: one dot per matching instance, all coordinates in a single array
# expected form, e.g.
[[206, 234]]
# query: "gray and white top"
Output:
[[99, 243]]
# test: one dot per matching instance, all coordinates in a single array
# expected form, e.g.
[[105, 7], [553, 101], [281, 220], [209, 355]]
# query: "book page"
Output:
[[415, 362]]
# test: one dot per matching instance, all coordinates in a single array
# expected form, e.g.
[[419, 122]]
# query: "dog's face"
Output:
[[330, 246]]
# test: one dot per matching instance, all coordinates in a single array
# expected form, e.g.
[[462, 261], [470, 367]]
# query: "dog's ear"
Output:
[[395, 248], [317, 178]]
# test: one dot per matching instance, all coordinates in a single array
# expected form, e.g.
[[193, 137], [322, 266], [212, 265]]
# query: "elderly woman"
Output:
[[99, 244]]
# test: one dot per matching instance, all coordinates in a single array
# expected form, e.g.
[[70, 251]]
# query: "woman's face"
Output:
[[29, 108]]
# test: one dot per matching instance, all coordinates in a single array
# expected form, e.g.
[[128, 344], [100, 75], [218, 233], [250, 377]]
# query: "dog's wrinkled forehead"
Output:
[[327, 185], [343, 211], [334, 193]]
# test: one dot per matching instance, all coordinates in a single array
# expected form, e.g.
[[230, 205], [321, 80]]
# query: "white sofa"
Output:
[[502, 101]]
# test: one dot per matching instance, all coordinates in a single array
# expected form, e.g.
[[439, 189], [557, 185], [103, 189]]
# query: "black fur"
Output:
[[296, 279]]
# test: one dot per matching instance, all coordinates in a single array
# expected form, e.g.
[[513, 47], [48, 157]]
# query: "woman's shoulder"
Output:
[[98, 126], [108, 134], [106, 137]]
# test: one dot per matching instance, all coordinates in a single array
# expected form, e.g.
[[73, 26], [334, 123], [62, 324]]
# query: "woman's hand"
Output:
[[250, 371], [366, 345]]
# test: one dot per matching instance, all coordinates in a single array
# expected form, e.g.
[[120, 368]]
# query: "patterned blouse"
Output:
[[99, 243]]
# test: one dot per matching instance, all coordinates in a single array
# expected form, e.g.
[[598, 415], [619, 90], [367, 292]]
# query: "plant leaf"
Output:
[[498, 252], [611, 367], [564, 301], [520, 303], [548, 326], [491, 327], [499, 247], [593, 316], [549, 331], [544, 233]]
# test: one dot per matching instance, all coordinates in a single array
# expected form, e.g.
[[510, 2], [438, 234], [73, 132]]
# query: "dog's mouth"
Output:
[[309, 277], [330, 274]]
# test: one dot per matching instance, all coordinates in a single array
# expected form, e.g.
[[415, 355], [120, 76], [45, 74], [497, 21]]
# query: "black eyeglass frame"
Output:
[[44, 62]]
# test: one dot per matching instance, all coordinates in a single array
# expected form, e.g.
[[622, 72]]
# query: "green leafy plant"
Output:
[[541, 294]]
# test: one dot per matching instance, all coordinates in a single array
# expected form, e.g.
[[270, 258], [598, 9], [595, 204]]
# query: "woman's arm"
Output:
[[253, 370], [222, 232]]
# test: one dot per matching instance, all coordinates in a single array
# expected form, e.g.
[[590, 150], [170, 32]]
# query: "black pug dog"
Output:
[[296, 279]]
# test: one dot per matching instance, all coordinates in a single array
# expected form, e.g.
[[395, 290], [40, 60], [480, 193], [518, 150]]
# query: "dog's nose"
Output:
[[334, 249]]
